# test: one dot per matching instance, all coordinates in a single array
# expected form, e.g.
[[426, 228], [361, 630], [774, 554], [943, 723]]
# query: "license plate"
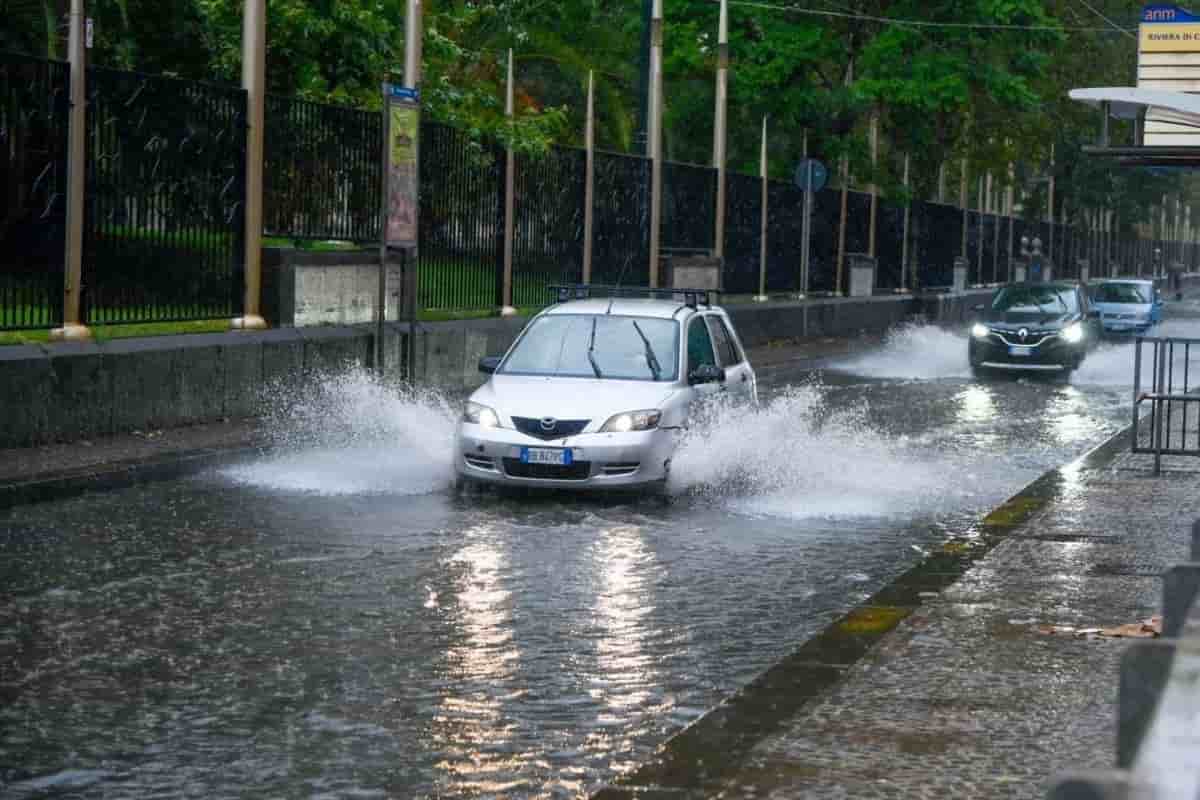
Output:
[[1019, 350], [544, 455]]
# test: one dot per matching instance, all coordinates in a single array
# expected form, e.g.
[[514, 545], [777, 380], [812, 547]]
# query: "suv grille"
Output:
[[577, 471], [562, 427]]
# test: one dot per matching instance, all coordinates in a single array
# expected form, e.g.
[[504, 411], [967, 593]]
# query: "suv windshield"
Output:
[[597, 345], [1122, 293], [1036, 299]]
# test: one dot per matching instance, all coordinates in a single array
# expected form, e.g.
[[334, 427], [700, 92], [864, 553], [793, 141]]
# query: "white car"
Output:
[[594, 392]]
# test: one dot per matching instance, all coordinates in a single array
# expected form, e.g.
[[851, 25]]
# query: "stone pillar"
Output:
[[862, 275], [961, 266]]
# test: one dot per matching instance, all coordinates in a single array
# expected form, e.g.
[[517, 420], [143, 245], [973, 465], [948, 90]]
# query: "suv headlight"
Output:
[[633, 421], [979, 331], [480, 415], [1073, 333]]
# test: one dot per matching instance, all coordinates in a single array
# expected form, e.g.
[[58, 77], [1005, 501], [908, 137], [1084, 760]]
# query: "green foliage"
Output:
[[994, 95]]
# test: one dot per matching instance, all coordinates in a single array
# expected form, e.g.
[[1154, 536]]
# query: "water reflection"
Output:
[[976, 404], [624, 606], [1070, 419], [483, 661]]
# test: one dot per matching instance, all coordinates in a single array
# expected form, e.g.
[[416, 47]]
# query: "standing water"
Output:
[[333, 621]]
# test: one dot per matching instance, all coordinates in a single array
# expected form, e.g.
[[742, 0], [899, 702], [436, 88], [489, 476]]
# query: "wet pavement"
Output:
[[331, 620]]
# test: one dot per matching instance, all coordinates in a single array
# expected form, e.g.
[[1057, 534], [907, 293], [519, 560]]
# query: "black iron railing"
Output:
[[461, 220], [34, 111], [163, 235], [621, 246], [1164, 392], [548, 223], [323, 172]]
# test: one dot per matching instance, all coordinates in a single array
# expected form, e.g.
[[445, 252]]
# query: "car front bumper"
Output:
[[1051, 355], [1126, 327], [599, 460]]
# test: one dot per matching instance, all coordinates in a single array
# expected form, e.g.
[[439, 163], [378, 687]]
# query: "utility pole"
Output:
[[655, 142], [73, 326], [254, 67], [719, 127]]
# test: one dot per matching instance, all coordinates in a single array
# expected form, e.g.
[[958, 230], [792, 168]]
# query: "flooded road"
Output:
[[333, 621]]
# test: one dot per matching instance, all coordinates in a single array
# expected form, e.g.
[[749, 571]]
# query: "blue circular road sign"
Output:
[[811, 175]]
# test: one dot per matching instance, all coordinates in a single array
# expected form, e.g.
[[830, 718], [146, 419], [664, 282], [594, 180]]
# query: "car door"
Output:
[[739, 378]]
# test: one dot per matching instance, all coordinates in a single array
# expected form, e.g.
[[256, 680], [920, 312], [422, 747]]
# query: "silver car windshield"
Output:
[[597, 345], [1122, 293]]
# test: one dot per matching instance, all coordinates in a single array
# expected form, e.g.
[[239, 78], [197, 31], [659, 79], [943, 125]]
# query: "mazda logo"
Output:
[[549, 423], [1023, 333]]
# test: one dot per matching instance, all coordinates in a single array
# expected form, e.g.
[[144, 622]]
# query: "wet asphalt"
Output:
[[336, 622]]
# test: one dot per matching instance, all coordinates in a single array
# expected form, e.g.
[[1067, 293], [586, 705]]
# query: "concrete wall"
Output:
[[63, 392], [302, 288]]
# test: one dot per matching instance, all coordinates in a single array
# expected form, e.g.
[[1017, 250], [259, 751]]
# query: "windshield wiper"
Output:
[[650, 357], [592, 350]]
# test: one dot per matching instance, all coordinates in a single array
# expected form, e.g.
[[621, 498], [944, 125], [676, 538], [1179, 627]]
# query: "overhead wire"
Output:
[[916, 23]]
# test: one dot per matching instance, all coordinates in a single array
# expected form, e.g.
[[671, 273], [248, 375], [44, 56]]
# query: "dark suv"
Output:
[[1046, 327]]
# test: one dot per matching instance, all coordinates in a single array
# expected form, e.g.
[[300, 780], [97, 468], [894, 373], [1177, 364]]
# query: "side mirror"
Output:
[[488, 364], [706, 373]]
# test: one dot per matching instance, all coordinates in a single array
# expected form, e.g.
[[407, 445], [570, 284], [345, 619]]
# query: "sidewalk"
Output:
[[986, 688]]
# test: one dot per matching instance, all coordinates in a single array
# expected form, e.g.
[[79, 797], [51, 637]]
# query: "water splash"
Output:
[[915, 352], [354, 433], [796, 457]]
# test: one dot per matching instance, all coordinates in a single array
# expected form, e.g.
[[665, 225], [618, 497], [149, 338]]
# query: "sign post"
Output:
[[810, 177], [401, 173]]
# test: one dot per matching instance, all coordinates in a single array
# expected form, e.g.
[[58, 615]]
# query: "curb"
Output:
[[697, 760], [121, 474]]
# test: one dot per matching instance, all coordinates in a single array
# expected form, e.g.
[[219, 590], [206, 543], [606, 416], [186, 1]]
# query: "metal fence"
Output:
[[164, 220], [165, 193], [1165, 394], [323, 174], [461, 220], [34, 110]]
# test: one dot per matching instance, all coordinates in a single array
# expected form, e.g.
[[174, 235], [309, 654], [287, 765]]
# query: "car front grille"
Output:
[[561, 428], [576, 471], [1035, 338]]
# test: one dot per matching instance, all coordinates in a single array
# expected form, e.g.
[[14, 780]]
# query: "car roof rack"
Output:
[[692, 298]]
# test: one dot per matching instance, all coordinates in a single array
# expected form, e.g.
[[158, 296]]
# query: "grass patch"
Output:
[[103, 333]]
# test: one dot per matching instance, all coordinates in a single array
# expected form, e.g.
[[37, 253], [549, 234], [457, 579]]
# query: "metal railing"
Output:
[[1166, 405], [34, 109], [323, 173], [1158, 705], [166, 176]]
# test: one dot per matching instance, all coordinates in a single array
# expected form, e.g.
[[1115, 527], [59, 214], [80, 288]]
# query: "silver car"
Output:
[[595, 392]]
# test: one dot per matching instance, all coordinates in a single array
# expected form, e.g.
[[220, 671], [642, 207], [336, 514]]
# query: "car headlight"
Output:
[[979, 331], [480, 415], [1073, 333], [633, 421]]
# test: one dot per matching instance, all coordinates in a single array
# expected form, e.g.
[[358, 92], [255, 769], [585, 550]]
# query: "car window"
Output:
[[699, 345], [580, 345], [1121, 293], [723, 341]]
